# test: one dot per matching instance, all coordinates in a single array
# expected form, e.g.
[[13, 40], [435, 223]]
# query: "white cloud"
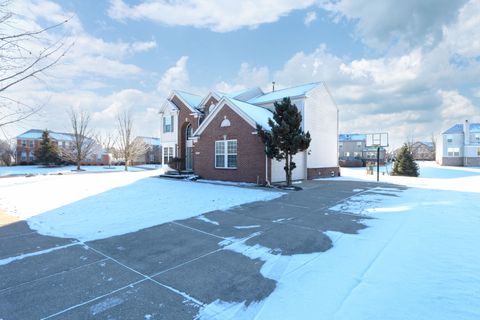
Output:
[[176, 77], [388, 22], [216, 15], [310, 17], [455, 107], [247, 77]]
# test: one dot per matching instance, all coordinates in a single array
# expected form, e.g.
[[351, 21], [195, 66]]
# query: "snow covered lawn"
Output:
[[95, 206], [419, 259], [29, 170]]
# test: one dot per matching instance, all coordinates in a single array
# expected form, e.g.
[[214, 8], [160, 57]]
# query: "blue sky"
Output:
[[409, 68]]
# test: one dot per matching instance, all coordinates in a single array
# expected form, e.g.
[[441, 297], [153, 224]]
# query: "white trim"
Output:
[[226, 154], [168, 104], [175, 93], [224, 101], [209, 95]]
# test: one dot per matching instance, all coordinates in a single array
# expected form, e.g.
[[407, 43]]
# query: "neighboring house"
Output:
[[29, 141], [423, 151], [460, 145], [153, 151], [215, 135], [353, 150]]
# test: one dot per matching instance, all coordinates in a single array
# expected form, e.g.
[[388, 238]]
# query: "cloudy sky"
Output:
[[411, 68]]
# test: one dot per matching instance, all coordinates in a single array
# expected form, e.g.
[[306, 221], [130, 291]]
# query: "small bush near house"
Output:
[[404, 164], [176, 163]]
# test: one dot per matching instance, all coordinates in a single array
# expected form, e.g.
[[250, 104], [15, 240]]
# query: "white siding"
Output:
[[320, 116], [169, 137], [299, 173]]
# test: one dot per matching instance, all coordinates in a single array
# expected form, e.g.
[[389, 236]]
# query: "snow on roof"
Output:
[[192, 99], [352, 137], [297, 91], [37, 134], [458, 128], [258, 114], [150, 140]]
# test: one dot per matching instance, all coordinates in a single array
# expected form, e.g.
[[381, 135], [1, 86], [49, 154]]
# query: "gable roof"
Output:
[[252, 114], [152, 141], [192, 101], [458, 128], [37, 134], [298, 91], [352, 137]]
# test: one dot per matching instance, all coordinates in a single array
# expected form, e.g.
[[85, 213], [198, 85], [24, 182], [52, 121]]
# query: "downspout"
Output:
[[267, 181]]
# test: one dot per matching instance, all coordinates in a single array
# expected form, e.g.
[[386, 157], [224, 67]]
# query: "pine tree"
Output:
[[47, 153], [404, 163], [286, 137]]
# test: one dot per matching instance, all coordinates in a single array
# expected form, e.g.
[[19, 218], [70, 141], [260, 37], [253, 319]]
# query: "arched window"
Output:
[[189, 131]]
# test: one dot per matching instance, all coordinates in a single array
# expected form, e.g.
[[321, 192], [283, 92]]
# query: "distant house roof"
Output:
[[37, 134], [298, 91], [352, 137], [152, 141], [458, 128]]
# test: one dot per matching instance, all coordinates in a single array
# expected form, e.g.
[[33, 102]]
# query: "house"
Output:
[[215, 135], [423, 150], [459, 145], [354, 152], [29, 141], [153, 151]]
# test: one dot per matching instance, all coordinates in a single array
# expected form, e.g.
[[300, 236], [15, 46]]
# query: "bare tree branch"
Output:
[[129, 147]]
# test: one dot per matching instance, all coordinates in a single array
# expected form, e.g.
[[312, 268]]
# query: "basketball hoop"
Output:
[[379, 141]]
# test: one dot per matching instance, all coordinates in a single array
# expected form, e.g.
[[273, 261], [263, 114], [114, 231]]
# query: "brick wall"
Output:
[[250, 150], [314, 173], [185, 117]]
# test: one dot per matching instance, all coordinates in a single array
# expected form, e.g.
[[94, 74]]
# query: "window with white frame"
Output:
[[23, 156], [453, 152], [359, 144], [226, 154], [357, 154], [167, 154], [31, 143], [346, 154], [167, 124], [340, 145], [477, 137], [449, 138], [478, 152]]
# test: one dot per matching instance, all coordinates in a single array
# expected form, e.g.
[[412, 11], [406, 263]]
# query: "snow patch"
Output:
[[205, 219], [105, 305]]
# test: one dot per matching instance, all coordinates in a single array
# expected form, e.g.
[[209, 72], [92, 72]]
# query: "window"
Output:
[[167, 154], [453, 152], [31, 157], [357, 154], [31, 143], [168, 124], [359, 144], [189, 131], [346, 154], [24, 143], [226, 154], [478, 152], [24, 156], [449, 138], [340, 145], [477, 137]]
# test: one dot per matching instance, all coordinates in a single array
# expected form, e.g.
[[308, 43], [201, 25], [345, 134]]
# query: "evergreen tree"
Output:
[[47, 153], [404, 163], [286, 137]]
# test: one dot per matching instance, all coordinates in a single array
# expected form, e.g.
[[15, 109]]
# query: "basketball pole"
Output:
[[378, 163]]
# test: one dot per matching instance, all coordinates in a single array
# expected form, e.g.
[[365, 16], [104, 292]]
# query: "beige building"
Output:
[[459, 145]]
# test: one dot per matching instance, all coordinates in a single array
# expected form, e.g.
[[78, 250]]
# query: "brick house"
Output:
[[459, 145], [29, 141], [215, 135]]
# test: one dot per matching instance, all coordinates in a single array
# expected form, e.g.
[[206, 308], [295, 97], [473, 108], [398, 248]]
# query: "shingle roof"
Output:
[[37, 134], [258, 114], [297, 91], [352, 137], [458, 128], [192, 99]]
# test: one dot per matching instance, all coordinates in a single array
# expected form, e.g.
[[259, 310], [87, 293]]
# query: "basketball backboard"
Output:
[[377, 139]]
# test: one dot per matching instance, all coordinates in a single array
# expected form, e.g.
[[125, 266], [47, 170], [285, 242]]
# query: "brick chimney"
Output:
[[466, 132]]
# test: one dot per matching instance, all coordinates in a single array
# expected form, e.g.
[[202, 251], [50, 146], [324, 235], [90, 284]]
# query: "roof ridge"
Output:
[[300, 85]]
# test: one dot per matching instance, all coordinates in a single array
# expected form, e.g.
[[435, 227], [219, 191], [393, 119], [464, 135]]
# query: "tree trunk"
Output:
[[288, 172]]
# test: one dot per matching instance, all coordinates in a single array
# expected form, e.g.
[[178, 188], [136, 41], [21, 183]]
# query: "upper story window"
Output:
[[477, 137], [449, 138], [167, 124], [226, 154], [31, 143], [359, 144], [340, 145]]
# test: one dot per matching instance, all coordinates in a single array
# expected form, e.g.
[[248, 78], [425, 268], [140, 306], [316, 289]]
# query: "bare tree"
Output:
[[83, 142], [108, 142], [7, 153], [128, 146], [24, 54]]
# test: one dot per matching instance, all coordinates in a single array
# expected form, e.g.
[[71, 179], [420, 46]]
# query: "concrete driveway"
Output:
[[170, 271]]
